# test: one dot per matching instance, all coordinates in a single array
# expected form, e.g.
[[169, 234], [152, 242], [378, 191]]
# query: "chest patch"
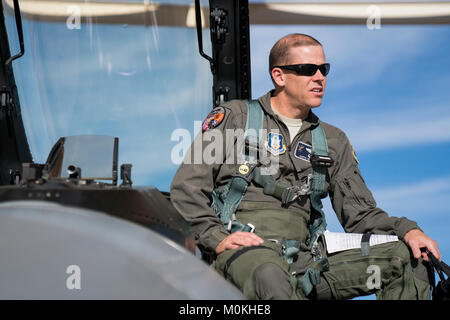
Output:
[[303, 151], [275, 144], [214, 118]]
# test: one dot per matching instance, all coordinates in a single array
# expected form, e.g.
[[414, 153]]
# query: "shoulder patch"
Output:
[[214, 118], [354, 154]]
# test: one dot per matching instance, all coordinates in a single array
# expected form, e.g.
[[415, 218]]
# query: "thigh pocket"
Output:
[[361, 276]]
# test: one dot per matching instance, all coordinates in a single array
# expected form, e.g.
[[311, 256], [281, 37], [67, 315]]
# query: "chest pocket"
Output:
[[355, 190]]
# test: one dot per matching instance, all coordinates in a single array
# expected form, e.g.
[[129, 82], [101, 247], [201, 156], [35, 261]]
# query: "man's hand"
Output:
[[237, 239], [416, 239]]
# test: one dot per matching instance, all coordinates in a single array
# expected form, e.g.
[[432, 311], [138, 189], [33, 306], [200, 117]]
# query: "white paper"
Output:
[[337, 241]]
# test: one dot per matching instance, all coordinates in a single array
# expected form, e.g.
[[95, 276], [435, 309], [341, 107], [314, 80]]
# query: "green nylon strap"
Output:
[[233, 196], [290, 250], [268, 182], [365, 244], [234, 191], [312, 275], [320, 147], [365, 249], [254, 124], [311, 278]]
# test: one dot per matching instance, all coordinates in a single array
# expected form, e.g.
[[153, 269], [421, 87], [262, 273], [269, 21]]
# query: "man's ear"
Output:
[[278, 77]]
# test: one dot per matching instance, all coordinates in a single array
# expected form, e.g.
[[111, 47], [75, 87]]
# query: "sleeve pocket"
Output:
[[353, 187]]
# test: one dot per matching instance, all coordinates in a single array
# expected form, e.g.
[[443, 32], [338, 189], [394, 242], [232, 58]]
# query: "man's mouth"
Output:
[[317, 91]]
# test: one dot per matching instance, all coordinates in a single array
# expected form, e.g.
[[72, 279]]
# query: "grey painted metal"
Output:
[[39, 241]]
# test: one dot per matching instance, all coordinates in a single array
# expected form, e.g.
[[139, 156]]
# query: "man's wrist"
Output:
[[403, 235], [216, 236], [403, 226]]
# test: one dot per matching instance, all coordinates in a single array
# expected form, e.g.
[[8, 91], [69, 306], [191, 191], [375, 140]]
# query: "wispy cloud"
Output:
[[371, 130], [422, 200], [367, 53], [423, 189]]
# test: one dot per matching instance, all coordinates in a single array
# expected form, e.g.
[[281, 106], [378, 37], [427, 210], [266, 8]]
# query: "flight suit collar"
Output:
[[311, 119]]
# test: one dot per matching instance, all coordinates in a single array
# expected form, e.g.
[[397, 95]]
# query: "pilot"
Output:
[[265, 229]]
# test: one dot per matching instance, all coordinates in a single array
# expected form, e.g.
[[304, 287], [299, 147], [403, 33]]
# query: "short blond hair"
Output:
[[279, 54]]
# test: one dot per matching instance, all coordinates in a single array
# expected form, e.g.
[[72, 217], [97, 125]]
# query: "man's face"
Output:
[[305, 90]]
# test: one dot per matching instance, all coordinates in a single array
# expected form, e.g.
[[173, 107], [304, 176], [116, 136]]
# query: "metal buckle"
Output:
[[229, 225], [252, 227], [321, 161], [296, 191]]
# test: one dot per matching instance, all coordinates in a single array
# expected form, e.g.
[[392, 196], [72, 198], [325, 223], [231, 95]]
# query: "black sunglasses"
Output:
[[307, 69]]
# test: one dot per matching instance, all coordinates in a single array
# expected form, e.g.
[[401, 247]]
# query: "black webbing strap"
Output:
[[441, 291], [365, 244]]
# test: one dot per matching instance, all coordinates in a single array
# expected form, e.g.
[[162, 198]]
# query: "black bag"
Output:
[[441, 291]]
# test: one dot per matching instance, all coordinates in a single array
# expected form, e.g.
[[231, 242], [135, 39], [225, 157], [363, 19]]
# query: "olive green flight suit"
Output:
[[355, 207]]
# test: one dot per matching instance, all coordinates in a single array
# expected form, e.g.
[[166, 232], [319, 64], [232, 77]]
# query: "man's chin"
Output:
[[315, 104]]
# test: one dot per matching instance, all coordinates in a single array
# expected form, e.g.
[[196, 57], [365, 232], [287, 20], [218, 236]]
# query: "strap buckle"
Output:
[[321, 161], [238, 226], [230, 222], [291, 194]]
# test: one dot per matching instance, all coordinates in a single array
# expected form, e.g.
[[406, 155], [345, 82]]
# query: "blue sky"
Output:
[[387, 89]]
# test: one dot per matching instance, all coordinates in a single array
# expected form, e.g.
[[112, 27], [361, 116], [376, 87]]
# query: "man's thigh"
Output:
[[239, 265]]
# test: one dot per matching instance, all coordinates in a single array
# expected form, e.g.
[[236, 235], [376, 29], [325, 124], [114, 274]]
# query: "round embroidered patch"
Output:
[[214, 118], [244, 169]]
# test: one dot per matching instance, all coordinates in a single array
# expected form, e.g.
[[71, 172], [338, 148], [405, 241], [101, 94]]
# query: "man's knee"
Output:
[[272, 283]]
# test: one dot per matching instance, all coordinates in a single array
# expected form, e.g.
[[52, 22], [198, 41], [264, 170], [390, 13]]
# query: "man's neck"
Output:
[[283, 106]]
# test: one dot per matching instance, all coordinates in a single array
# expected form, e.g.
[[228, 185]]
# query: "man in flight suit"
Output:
[[255, 260]]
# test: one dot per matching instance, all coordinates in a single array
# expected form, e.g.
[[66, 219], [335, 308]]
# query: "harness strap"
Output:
[[290, 250], [233, 197], [268, 182], [320, 148], [254, 124], [311, 278], [365, 244], [285, 193], [226, 203]]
